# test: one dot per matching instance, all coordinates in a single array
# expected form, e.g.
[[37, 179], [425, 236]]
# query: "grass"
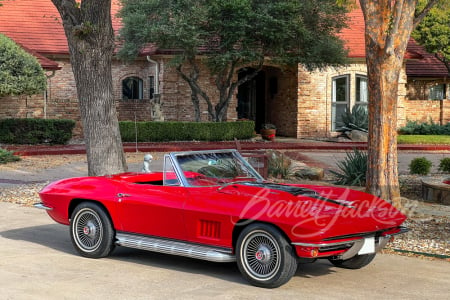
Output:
[[424, 139]]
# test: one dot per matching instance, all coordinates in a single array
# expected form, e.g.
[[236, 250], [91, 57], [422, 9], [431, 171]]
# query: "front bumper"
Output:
[[345, 249], [41, 205]]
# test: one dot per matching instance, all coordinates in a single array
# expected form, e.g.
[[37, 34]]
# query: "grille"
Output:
[[209, 229]]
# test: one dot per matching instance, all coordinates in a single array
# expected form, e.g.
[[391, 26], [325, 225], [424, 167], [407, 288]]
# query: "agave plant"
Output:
[[352, 170], [357, 119], [7, 156]]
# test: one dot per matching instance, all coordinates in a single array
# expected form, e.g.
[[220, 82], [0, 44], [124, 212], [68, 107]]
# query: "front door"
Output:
[[154, 210], [252, 98]]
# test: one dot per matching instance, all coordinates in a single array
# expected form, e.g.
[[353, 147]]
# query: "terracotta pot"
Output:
[[268, 134]]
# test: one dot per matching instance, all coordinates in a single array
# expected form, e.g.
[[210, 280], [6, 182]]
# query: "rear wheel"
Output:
[[356, 262], [264, 256], [91, 230]]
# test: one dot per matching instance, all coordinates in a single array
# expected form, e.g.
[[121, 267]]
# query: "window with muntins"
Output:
[[436, 92], [151, 84], [361, 92], [344, 98], [340, 100]]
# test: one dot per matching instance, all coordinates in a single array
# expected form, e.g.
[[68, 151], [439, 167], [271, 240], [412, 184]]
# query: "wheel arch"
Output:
[[76, 201], [243, 223]]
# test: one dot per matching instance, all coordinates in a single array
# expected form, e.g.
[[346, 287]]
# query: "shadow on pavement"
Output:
[[56, 236]]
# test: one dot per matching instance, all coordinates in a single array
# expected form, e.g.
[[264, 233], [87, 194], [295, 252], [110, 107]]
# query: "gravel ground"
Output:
[[429, 224]]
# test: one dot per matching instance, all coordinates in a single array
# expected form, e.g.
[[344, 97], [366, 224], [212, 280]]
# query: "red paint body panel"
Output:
[[208, 215]]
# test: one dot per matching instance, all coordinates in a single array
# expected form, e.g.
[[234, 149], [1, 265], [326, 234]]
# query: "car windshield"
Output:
[[215, 168]]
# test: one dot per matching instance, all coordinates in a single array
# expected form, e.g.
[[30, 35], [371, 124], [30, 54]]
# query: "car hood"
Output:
[[315, 212]]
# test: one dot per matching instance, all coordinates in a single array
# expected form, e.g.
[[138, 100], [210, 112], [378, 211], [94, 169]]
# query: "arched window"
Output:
[[132, 88]]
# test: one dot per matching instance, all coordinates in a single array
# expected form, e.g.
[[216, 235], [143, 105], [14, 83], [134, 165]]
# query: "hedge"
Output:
[[40, 131], [424, 128], [185, 131], [35, 131]]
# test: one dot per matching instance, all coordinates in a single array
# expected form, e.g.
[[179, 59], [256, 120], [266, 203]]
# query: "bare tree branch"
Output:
[[424, 12], [69, 11]]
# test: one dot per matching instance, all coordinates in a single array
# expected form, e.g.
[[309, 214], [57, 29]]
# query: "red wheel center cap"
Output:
[[86, 230], [259, 255]]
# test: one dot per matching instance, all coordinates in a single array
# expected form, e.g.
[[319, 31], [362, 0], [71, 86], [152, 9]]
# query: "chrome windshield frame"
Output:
[[180, 172]]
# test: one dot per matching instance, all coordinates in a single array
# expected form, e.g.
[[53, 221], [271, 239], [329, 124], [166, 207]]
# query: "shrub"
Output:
[[268, 126], [279, 165], [35, 131], [7, 156], [352, 169], [20, 72], [357, 119], [444, 165], [420, 166], [424, 128], [185, 131]]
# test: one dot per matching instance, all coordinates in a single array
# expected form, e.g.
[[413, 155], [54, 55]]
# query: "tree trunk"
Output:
[[90, 37], [382, 176], [196, 104], [192, 80], [388, 27]]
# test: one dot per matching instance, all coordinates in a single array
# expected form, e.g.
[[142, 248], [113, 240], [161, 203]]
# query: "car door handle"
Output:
[[121, 195]]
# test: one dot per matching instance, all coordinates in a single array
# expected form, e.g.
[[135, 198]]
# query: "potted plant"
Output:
[[268, 131]]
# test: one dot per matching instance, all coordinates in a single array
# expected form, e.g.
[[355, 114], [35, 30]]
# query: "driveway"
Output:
[[37, 261]]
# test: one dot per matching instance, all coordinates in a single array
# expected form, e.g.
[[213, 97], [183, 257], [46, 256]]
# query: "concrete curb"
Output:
[[29, 150]]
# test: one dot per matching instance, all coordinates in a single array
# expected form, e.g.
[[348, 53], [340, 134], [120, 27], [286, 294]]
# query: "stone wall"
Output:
[[22, 106], [281, 107], [425, 110], [402, 99], [61, 100], [315, 98], [419, 108], [300, 107], [313, 110]]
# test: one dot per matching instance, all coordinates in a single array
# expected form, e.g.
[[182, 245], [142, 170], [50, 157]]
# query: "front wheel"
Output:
[[264, 256], [91, 230], [356, 262]]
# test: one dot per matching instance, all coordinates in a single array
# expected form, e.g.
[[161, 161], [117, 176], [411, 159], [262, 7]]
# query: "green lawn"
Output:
[[424, 139]]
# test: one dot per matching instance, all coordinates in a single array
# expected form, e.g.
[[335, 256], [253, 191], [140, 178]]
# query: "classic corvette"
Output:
[[213, 205]]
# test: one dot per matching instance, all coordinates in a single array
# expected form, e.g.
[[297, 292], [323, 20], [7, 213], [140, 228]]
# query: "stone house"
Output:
[[300, 103]]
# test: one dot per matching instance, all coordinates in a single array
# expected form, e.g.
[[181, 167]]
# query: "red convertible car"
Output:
[[213, 205]]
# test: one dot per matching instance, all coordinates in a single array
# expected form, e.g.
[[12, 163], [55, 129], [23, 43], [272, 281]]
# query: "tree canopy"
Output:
[[433, 32], [234, 34], [20, 72]]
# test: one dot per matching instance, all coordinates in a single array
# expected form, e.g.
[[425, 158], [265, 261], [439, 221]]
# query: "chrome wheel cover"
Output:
[[260, 254], [87, 230]]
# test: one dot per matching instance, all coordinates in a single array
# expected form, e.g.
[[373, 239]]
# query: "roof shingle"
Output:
[[36, 25], [427, 66]]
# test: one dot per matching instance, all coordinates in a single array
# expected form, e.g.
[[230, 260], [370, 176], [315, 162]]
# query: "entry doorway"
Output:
[[252, 98]]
